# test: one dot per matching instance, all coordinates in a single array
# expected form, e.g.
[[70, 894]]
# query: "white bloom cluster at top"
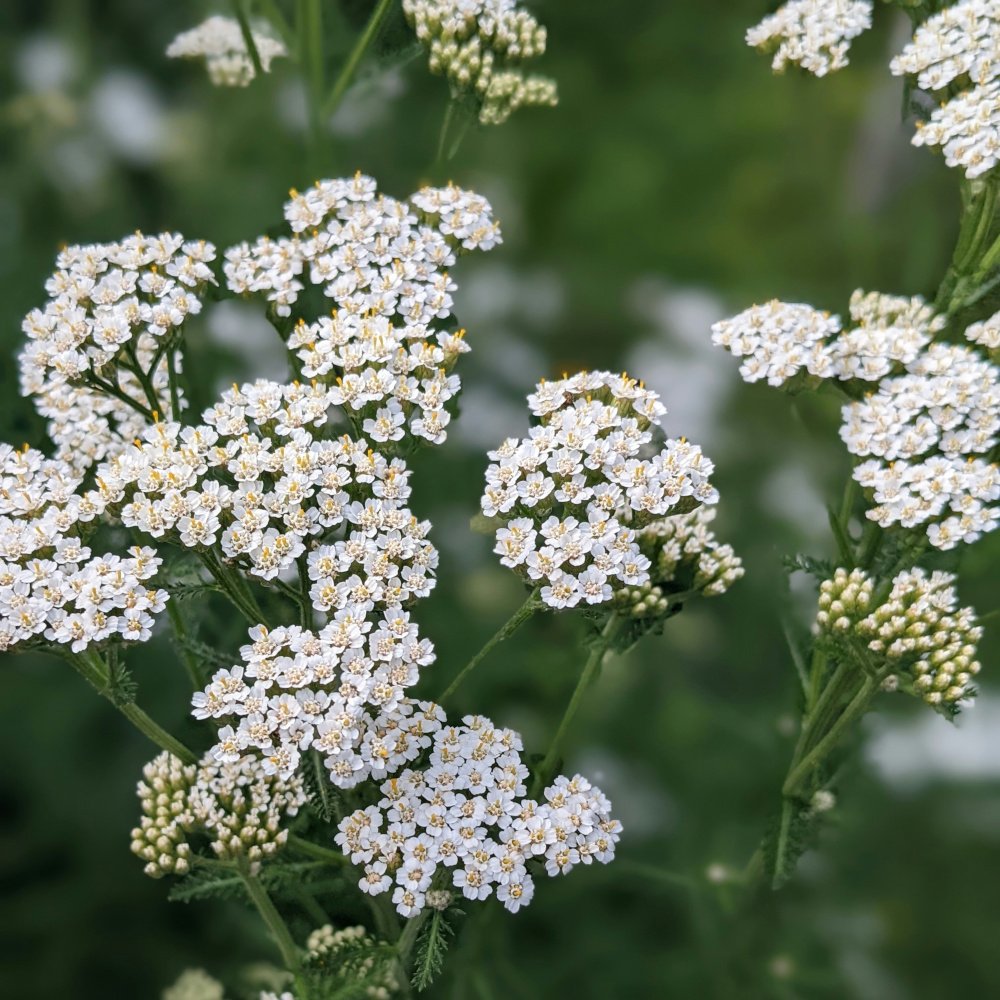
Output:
[[986, 334], [51, 584], [780, 340], [478, 45], [572, 494], [384, 352], [255, 481], [814, 34], [335, 691], [111, 318], [959, 45], [220, 42], [238, 805], [918, 628], [466, 810], [925, 431]]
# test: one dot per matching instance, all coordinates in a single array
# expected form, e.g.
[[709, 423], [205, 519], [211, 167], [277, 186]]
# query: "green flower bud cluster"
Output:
[[326, 944], [238, 806], [647, 601], [918, 626], [477, 45]]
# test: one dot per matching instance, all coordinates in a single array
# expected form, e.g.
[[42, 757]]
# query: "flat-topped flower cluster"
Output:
[[52, 586], [813, 34], [463, 820], [570, 496], [926, 432], [220, 42]]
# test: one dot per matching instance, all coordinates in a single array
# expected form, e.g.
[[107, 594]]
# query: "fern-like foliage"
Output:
[[432, 946]]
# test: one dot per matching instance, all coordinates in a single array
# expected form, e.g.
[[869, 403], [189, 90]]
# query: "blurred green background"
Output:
[[677, 181]]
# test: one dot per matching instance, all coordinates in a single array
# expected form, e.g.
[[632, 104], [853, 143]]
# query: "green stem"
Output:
[[181, 634], [318, 851], [362, 45], [272, 12], [442, 146], [275, 924], [871, 541], [175, 396], [98, 383], [855, 709], [92, 667], [241, 16], [409, 936], [589, 674], [516, 620], [310, 31]]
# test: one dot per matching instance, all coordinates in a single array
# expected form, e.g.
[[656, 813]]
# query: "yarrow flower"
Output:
[[236, 804], [959, 45], [338, 691], [571, 496], [479, 46], [101, 351], [918, 629], [463, 820], [220, 42], [52, 586], [928, 436], [386, 351], [781, 341], [986, 334], [813, 34]]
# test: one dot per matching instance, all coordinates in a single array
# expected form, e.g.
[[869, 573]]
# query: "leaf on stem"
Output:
[[431, 948]]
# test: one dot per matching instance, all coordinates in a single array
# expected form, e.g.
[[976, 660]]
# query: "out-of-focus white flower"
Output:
[[220, 42], [813, 34]]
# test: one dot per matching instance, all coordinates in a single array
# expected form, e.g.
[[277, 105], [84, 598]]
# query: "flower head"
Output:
[[220, 42]]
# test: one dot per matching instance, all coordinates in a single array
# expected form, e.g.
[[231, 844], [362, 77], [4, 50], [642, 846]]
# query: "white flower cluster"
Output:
[[928, 436], [220, 42], [780, 340], [813, 34], [479, 46], [51, 584], [686, 552], [986, 334], [113, 314], [571, 495], [465, 810], [239, 806], [259, 479], [959, 45], [919, 626], [327, 947], [384, 353], [335, 691]]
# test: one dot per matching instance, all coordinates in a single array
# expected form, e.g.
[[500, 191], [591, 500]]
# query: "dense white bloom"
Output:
[[927, 436], [52, 586], [337, 691], [918, 628], [479, 46], [814, 34], [220, 42], [112, 318], [386, 351], [959, 45], [237, 804], [780, 340], [463, 819], [571, 495], [261, 478]]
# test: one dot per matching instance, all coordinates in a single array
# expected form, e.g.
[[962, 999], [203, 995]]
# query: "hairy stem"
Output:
[[516, 620]]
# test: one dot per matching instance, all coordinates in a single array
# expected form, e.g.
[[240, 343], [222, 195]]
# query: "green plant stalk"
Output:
[[361, 46], [589, 674], [317, 851], [516, 620], [309, 22], [92, 667], [181, 634], [241, 16], [275, 924], [408, 938], [272, 12]]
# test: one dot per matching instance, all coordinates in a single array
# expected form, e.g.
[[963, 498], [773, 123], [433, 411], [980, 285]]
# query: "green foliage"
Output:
[[431, 949]]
